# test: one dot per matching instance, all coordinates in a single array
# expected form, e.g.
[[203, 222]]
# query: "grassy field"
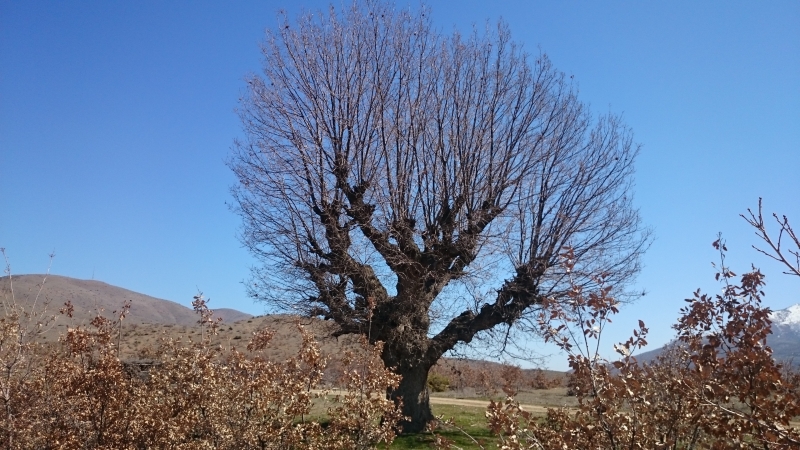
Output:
[[469, 418]]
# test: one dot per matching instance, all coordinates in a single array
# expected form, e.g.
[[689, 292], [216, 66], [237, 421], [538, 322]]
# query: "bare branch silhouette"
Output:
[[384, 160], [790, 257]]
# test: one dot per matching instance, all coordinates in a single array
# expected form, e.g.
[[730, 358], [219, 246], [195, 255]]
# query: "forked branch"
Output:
[[790, 257]]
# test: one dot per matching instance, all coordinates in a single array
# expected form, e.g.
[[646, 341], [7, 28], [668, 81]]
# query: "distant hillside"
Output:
[[89, 296], [152, 319], [784, 340]]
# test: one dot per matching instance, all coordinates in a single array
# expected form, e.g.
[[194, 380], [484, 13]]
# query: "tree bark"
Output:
[[414, 393]]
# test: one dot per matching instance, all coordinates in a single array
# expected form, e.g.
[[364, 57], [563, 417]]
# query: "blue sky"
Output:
[[116, 119]]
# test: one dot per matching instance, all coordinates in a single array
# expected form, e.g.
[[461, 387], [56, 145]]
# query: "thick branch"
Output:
[[513, 298]]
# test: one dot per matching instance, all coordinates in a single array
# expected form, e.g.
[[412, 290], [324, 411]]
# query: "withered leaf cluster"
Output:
[[80, 395], [716, 387]]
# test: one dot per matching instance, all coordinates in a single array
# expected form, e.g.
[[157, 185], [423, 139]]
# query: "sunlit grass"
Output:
[[469, 419]]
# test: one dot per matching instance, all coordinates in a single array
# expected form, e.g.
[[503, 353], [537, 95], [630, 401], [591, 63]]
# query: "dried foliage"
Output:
[[186, 395], [487, 379], [716, 387]]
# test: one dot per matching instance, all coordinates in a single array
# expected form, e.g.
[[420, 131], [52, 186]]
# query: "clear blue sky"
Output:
[[116, 119]]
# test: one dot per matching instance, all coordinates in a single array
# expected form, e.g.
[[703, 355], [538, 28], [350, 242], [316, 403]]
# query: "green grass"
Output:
[[468, 418]]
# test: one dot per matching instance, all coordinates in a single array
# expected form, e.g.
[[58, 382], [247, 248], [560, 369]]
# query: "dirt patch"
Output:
[[481, 404]]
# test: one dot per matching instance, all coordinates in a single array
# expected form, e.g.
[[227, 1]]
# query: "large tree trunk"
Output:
[[403, 326], [414, 392]]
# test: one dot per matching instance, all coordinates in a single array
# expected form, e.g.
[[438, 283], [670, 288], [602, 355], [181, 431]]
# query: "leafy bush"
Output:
[[438, 383]]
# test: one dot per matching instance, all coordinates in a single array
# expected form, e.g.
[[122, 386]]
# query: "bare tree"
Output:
[[385, 162]]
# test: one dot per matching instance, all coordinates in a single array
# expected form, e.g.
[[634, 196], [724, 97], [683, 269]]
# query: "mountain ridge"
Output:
[[787, 317], [784, 339], [92, 296]]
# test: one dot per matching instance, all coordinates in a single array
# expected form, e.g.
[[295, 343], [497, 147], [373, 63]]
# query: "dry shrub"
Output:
[[364, 416], [487, 378], [538, 379], [459, 373], [187, 396], [512, 379], [717, 387]]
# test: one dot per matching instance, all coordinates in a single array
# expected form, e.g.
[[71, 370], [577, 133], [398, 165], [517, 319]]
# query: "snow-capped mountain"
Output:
[[785, 337], [789, 317]]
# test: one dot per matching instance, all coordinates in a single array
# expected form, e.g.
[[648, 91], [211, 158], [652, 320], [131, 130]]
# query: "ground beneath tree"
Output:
[[482, 404]]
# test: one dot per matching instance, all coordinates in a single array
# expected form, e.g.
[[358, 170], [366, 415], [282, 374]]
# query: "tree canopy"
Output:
[[384, 161]]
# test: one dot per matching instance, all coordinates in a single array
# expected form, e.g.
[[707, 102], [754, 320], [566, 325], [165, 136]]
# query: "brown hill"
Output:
[[150, 318], [229, 315], [90, 297]]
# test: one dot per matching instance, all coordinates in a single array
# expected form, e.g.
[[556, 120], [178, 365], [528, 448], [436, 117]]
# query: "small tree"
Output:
[[385, 163], [20, 327]]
